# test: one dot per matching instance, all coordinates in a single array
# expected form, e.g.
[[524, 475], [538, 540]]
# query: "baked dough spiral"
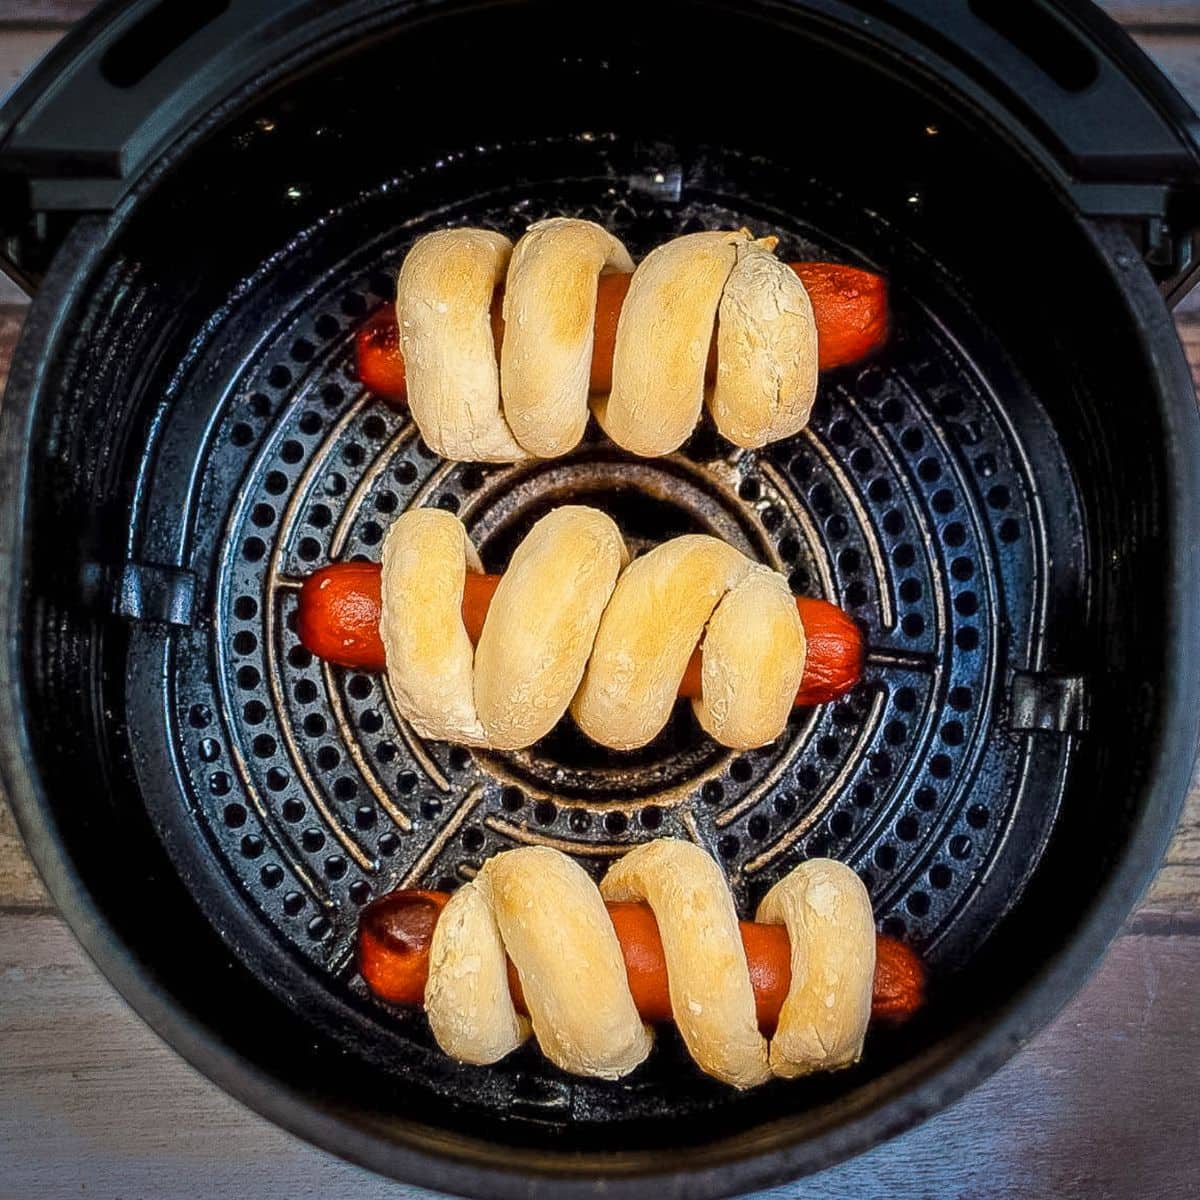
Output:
[[540, 909], [535, 403], [574, 624]]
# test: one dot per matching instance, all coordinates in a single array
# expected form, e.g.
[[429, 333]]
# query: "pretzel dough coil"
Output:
[[766, 380], [823, 1021], [663, 336], [443, 310], [549, 328], [514, 686], [541, 908], [536, 403], [711, 996], [572, 625]]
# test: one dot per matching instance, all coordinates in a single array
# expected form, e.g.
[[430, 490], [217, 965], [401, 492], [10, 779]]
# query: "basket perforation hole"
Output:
[[277, 780], [406, 781], [255, 713], [977, 816], [511, 799], [879, 490], [448, 501], [841, 824], [312, 840], [941, 876], [929, 470], [279, 376], [252, 846], [276, 483], [293, 903], [345, 788], [328, 758], [913, 624], [332, 396], [856, 594], [954, 535], [758, 827], [925, 798], [616, 822], [335, 867], [327, 326], [862, 460], [728, 846], [893, 522], [365, 817], [961, 846], [545, 812], [360, 891], [253, 549], [241, 434], [907, 829], [431, 808], [310, 423], [359, 687], [271, 875], [895, 927], [1009, 530], [828, 747], [260, 405], [967, 638], [579, 821], [910, 590], [713, 792], [302, 350], [917, 904], [785, 804], [209, 749], [650, 817], [389, 844], [741, 770], [863, 795], [374, 428], [404, 472]]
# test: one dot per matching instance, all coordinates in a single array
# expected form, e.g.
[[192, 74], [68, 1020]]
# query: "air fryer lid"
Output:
[[1003, 499]]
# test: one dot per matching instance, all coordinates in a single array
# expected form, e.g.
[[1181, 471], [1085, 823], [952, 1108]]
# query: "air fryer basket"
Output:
[[1005, 497]]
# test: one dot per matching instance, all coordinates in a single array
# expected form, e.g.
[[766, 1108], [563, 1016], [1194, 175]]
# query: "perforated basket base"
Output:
[[913, 500]]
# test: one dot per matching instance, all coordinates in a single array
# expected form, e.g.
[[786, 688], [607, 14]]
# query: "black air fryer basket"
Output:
[[209, 200]]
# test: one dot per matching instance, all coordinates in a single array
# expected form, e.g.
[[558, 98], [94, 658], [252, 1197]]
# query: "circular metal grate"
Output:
[[909, 501]]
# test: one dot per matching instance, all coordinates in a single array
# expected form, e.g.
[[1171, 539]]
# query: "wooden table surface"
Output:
[[1105, 1103]]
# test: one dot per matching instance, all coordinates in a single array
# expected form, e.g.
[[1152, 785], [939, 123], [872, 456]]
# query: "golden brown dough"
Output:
[[574, 624], [443, 310], [536, 401], [549, 324], [540, 909], [430, 659], [766, 351], [657, 614], [663, 335], [828, 916], [752, 661], [556, 930], [711, 997], [542, 622]]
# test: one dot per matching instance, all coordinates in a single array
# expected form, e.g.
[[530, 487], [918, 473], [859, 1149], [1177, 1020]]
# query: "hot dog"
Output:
[[339, 610], [849, 306], [396, 930]]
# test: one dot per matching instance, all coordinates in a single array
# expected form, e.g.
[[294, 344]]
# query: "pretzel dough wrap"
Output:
[[470, 1008], [663, 336], [751, 662], [824, 1019], [542, 622], [657, 614], [443, 310], [547, 914], [709, 981], [766, 351], [549, 327], [430, 659]]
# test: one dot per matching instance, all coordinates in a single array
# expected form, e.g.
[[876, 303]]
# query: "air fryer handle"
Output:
[[133, 75], [1112, 128]]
